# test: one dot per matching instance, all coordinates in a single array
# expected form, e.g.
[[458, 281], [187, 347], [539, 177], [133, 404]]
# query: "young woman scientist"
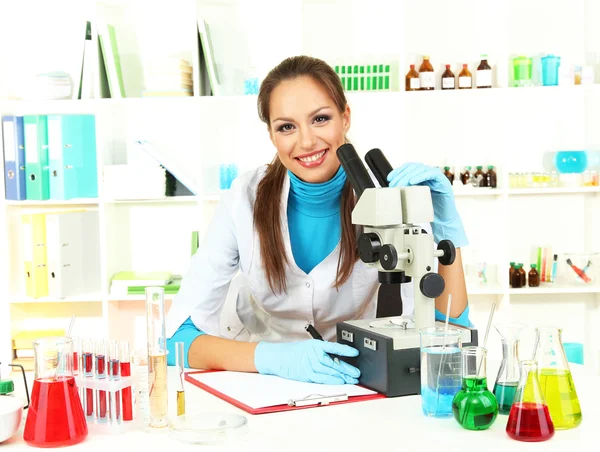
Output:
[[286, 228]]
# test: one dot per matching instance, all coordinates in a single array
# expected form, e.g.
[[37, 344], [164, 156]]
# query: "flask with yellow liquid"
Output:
[[556, 380]]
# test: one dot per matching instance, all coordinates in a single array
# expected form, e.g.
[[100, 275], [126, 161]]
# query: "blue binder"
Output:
[[72, 156], [14, 158]]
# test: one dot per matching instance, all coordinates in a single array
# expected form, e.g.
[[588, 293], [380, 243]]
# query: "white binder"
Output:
[[73, 253]]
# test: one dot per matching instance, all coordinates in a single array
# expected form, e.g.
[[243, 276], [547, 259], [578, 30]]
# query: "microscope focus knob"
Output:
[[449, 252], [432, 285], [369, 246], [388, 257]]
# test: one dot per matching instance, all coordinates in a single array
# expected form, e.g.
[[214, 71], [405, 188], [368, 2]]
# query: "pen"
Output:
[[315, 335]]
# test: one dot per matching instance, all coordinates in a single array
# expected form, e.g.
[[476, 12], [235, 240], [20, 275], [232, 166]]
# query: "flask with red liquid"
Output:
[[529, 419], [55, 417]]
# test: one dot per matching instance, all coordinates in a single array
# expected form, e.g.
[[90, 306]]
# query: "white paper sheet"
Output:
[[260, 391]]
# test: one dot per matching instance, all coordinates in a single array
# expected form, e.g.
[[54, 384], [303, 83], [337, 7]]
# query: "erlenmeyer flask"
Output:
[[474, 406], [508, 375], [529, 418], [556, 380], [55, 417]]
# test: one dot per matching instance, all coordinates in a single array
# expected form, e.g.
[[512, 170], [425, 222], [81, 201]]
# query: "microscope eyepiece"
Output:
[[379, 166], [355, 169]]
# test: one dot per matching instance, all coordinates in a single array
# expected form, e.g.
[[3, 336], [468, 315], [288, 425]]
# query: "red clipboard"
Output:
[[269, 409]]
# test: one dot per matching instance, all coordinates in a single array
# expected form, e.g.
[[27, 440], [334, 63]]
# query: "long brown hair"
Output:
[[267, 206]]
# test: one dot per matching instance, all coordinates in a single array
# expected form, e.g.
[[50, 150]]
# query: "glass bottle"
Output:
[[515, 278], [448, 80], [484, 74], [55, 417], [507, 380], [465, 80], [474, 406], [522, 274], [534, 276], [556, 380], [449, 174], [491, 179], [510, 272], [466, 175], [426, 75], [529, 419], [480, 174], [412, 79]]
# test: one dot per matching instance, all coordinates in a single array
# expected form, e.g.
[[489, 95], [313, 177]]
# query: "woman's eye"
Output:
[[322, 118], [285, 128]]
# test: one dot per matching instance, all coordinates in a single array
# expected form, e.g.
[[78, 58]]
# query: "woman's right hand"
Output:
[[307, 361]]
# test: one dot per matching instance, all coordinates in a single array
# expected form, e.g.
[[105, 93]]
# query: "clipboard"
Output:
[[310, 401]]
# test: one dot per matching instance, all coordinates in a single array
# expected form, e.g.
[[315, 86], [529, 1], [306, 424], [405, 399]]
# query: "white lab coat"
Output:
[[226, 292]]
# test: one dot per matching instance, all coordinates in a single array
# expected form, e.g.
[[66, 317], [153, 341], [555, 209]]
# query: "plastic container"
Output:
[[522, 71], [568, 162], [550, 65], [578, 268]]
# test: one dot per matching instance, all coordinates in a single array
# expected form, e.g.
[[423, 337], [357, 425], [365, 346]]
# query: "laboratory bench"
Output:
[[392, 424]]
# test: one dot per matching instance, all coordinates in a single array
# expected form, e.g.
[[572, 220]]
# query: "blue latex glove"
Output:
[[447, 224], [306, 361]]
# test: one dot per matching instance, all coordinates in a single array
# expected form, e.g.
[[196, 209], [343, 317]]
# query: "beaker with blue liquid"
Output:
[[550, 66], [441, 376], [571, 161]]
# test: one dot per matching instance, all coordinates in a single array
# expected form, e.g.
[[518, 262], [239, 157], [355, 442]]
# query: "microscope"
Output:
[[393, 241]]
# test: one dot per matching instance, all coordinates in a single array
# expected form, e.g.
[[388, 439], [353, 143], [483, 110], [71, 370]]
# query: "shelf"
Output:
[[552, 191], [548, 289], [84, 298], [53, 202], [126, 298], [478, 192], [165, 200]]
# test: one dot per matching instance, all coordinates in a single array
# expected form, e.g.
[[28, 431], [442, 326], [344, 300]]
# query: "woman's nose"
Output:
[[307, 138]]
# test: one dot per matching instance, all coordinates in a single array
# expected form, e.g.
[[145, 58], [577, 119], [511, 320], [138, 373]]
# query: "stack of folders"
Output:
[[22, 344], [61, 253], [135, 283], [50, 157], [168, 77]]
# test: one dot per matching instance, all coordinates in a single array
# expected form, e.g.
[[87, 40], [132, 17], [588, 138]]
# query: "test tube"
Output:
[[157, 356], [126, 401], [101, 406], [114, 374], [180, 390], [87, 369], [76, 354]]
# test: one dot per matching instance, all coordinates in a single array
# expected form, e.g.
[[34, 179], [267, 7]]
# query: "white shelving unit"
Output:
[[506, 127]]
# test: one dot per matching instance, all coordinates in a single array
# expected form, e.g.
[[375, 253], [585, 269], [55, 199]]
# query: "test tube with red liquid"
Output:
[[76, 354], [114, 374], [127, 405], [87, 369], [101, 396]]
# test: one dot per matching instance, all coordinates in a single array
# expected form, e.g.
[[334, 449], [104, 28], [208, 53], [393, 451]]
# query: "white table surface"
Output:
[[392, 424]]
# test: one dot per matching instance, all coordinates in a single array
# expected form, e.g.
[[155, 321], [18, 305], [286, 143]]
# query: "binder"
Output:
[[290, 395], [73, 253], [72, 156], [14, 157], [34, 254], [37, 184]]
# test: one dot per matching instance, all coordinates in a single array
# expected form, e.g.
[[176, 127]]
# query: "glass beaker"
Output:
[[529, 419], [523, 68], [474, 406], [508, 374], [55, 416], [555, 378], [440, 370], [550, 65]]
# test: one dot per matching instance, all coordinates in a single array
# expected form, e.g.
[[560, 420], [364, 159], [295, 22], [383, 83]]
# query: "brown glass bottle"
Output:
[[412, 79], [465, 79], [510, 272], [449, 174], [426, 75], [448, 80], [523, 275], [483, 75], [491, 179], [515, 278], [534, 276], [478, 173], [465, 176]]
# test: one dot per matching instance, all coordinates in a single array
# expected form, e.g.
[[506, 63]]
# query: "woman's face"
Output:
[[307, 129]]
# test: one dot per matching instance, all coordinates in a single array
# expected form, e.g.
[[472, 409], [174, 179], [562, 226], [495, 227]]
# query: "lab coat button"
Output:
[[307, 285]]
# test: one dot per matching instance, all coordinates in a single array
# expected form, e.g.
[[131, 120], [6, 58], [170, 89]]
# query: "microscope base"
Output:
[[389, 356]]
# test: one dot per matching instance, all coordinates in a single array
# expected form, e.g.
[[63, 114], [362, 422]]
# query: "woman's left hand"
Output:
[[447, 224]]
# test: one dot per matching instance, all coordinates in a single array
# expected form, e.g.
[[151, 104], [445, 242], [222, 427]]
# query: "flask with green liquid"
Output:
[[556, 380]]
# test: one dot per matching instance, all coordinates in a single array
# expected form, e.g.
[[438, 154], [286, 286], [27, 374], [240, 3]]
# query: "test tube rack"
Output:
[[370, 77]]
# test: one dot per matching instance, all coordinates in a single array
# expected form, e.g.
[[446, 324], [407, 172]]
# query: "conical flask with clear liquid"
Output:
[[529, 419], [508, 374], [555, 378]]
